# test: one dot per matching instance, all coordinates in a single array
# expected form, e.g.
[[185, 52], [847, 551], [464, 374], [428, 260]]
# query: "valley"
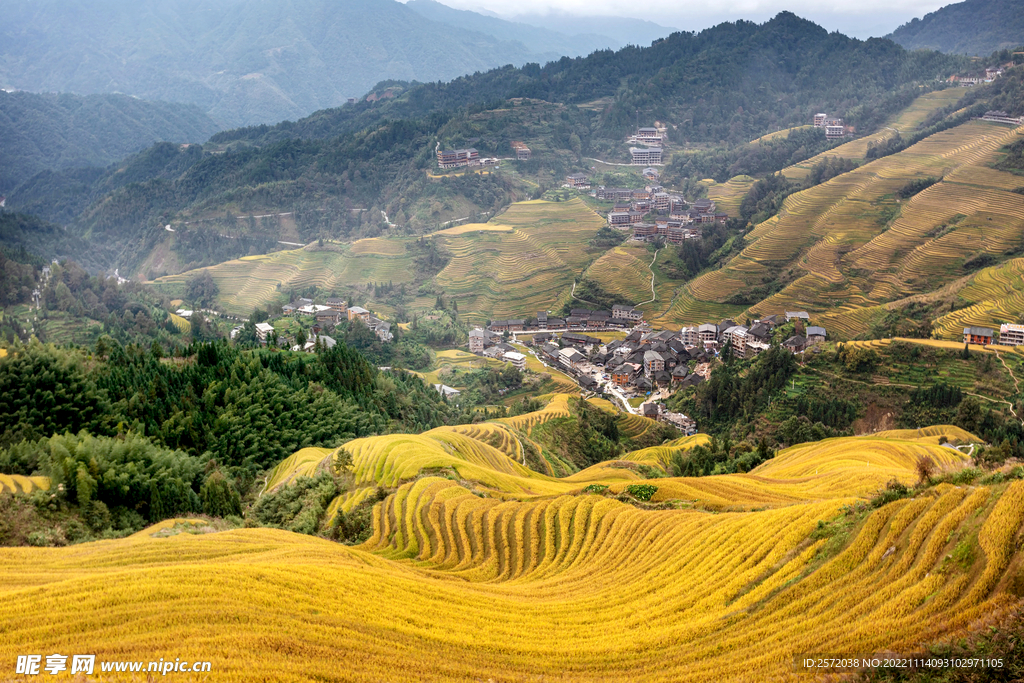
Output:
[[408, 342]]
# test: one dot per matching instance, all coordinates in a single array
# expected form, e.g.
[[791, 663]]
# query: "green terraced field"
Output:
[[521, 262]]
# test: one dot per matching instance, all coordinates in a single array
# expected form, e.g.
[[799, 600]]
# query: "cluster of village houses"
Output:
[[674, 217], [327, 315], [834, 127], [646, 360]]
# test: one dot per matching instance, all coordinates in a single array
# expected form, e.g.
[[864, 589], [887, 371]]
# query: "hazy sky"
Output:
[[859, 18]]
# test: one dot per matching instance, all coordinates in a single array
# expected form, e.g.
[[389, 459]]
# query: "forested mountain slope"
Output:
[[59, 131], [242, 62], [973, 27], [730, 83]]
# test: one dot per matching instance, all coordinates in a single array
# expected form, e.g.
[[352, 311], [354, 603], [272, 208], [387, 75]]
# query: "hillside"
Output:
[[548, 45], [52, 132], [588, 579], [241, 62], [515, 265], [334, 171], [851, 251], [972, 27]]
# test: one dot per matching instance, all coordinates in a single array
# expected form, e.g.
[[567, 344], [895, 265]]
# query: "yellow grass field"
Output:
[[507, 575]]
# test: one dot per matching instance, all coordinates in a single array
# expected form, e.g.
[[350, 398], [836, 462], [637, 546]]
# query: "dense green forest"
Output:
[[753, 407], [973, 27], [245, 409], [47, 132]]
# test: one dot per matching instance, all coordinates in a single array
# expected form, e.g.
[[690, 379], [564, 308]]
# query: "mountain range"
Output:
[[260, 61], [51, 132], [973, 27]]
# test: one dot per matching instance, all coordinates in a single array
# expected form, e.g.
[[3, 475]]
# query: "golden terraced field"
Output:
[[503, 574], [851, 248]]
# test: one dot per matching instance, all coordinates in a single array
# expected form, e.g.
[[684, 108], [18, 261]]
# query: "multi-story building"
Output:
[[704, 206], [577, 180], [978, 335], [1011, 335], [649, 156], [819, 120], [707, 332], [653, 362], [517, 360], [661, 202], [689, 336], [834, 131], [338, 304], [263, 331], [652, 173], [625, 312], [358, 313], [648, 135], [644, 231], [521, 150], [454, 158]]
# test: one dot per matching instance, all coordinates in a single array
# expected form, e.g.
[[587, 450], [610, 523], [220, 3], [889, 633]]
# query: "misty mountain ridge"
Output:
[[53, 132], [973, 27], [260, 61]]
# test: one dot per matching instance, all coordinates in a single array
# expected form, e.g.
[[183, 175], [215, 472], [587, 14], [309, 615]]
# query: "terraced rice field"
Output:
[[587, 588], [17, 483], [500, 274], [851, 247], [254, 281], [624, 271], [728, 195], [995, 295], [183, 325]]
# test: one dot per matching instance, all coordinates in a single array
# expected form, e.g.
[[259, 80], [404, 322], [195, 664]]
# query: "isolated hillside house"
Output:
[[834, 129], [1002, 117], [626, 312], [263, 331], [795, 344], [521, 150], [815, 335], [1011, 335], [645, 156], [358, 313], [457, 157], [446, 391], [517, 360], [978, 335], [578, 180]]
